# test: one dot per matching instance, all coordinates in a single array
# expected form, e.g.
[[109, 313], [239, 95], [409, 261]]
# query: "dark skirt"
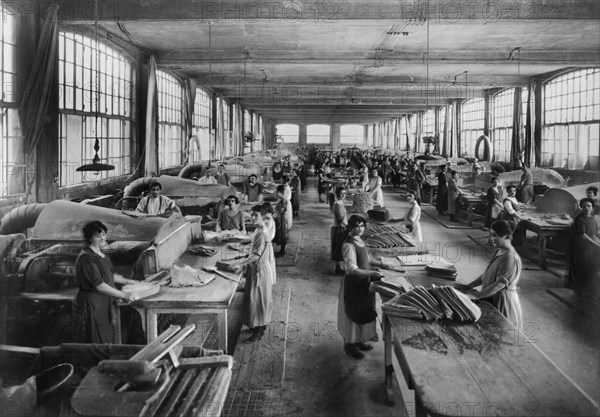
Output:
[[295, 202], [338, 235], [441, 202], [281, 231]]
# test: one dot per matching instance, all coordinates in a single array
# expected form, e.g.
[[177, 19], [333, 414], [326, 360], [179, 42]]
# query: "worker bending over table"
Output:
[[499, 280], [95, 309], [157, 204]]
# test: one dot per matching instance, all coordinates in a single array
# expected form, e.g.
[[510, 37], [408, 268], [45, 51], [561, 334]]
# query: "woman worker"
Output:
[[441, 202], [283, 220], [356, 306], [526, 185], [585, 251], [499, 280], [270, 227], [97, 295], [231, 218], [453, 195], [512, 213], [494, 205], [374, 188], [412, 219], [257, 306], [338, 230]]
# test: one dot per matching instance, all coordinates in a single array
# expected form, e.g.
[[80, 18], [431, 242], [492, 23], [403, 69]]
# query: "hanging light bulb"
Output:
[[96, 166]]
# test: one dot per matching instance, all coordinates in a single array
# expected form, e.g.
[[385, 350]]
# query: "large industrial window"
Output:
[[289, 132], [202, 125], [247, 122], [352, 135], [501, 124], [428, 122], [318, 134], [570, 134], [12, 151], [96, 83], [473, 116], [170, 120]]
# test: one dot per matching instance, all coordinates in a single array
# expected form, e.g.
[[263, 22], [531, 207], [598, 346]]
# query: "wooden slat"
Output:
[[207, 362], [164, 343], [177, 393], [212, 400], [196, 386]]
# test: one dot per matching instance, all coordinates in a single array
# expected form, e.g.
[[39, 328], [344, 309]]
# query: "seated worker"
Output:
[[253, 189], [592, 194], [157, 204], [222, 177], [231, 218], [208, 178]]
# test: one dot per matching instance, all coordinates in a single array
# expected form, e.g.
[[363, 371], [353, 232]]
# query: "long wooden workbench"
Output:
[[214, 298], [538, 223], [477, 369]]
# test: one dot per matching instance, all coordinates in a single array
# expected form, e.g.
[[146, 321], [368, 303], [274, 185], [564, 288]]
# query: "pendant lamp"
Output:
[[96, 165]]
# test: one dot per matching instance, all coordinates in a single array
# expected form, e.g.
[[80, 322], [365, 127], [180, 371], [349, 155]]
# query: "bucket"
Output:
[[50, 382]]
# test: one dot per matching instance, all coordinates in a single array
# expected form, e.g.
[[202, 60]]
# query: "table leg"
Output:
[[151, 325], [389, 368], [222, 322], [470, 213], [542, 250], [430, 195]]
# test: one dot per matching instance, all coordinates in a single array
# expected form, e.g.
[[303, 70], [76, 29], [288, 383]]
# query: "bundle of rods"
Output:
[[387, 236]]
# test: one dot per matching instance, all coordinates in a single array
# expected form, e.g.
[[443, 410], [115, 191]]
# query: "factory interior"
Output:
[[299, 208]]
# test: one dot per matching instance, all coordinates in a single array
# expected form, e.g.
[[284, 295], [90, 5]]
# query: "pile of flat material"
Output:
[[142, 289], [442, 269], [225, 236], [186, 276], [434, 303], [386, 289], [203, 250], [387, 236]]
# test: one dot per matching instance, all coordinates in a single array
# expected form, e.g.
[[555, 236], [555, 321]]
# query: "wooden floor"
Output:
[[300, 369]]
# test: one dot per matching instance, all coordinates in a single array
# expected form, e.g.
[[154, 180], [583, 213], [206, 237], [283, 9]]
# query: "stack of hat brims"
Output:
[[442, 270], [433, 304]]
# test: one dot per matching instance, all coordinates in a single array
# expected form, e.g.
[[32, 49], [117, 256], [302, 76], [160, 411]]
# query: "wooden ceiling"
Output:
[[354, 60]]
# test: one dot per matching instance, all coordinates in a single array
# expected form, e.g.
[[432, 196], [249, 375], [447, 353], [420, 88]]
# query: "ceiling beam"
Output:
[[361, 57], [234, 11]]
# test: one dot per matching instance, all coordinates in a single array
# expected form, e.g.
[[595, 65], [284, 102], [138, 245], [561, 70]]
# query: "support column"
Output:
[[336, 140], [302, 134]]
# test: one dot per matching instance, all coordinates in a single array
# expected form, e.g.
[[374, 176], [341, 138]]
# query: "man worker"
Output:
[[157, 204]]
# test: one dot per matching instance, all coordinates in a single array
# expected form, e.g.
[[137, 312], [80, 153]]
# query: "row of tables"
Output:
[[533, 219]]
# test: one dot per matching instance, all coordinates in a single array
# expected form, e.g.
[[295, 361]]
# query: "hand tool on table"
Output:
[[220, 273]]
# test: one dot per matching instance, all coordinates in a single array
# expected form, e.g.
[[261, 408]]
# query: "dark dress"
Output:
[[492, 212], [295, 186], [253, 191], [359, 301], [277, 176], [441, 203], [281, 226], [585, 256], [338, 231], [227, 221], [96, 312]]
